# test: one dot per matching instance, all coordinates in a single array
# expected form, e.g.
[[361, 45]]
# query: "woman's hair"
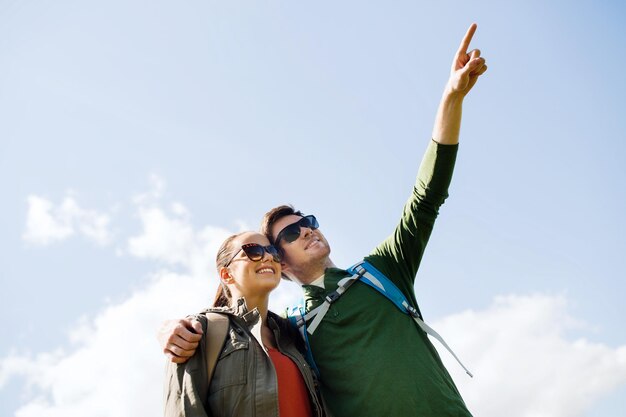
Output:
[[224, 254]]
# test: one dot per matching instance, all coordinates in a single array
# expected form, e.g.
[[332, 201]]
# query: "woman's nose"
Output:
[[267, 257]]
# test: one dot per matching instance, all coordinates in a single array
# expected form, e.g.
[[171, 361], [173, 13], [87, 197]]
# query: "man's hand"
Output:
[[179, 338], [467, 66]]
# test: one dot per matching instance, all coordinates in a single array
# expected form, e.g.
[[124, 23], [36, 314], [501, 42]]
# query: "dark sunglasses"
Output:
[[256, 252], [292, 232]]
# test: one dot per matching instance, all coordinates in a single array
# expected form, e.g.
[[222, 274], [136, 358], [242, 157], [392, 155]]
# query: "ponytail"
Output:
[[222, 297], [224, 254]]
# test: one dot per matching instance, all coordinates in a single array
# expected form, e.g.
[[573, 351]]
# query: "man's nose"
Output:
[[305, 231]]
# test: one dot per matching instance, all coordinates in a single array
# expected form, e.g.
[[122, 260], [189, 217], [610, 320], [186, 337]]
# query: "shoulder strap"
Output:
[[216, 331], [379, 281]]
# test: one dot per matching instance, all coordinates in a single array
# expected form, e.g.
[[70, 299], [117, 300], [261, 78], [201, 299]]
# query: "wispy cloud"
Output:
[[168, 236], [156, 191], [47, 223]]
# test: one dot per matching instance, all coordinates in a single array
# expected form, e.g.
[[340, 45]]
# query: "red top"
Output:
[[293, 396]]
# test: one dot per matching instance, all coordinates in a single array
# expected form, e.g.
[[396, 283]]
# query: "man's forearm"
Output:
[[466, 68], [448, 120]]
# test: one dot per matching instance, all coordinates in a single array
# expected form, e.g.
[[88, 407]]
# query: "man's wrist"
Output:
[[452, 97]]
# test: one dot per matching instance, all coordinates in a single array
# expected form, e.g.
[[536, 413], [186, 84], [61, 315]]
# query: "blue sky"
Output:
[[134, 136]]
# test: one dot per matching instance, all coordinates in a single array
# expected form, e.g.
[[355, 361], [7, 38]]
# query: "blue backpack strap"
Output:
[[377, 280], [295, 315]]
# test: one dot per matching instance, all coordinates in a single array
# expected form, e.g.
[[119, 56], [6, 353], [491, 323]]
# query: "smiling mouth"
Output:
[[266, 270], [311, 243]]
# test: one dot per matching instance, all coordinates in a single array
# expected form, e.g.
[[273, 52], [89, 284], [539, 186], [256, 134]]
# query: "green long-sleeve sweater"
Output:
[[372, 359]]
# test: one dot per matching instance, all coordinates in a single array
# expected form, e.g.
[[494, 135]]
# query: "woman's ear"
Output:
[[225, 276]]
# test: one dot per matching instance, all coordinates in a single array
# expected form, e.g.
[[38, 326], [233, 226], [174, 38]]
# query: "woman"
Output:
[[260, 370]]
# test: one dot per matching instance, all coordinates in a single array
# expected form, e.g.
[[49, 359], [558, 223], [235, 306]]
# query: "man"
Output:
[[373, 360]]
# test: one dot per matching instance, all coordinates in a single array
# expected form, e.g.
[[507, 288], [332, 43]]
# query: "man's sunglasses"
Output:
[[256, 252], [292, 232]]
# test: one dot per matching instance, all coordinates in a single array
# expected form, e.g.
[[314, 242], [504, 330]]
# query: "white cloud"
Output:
[[524, 364], [171, 239], [47, 223], [163, 238], [168, 236], [16, 365], [116, 367], [44, 223]]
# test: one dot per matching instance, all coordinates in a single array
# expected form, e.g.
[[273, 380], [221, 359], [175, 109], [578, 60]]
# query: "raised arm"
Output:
[[399, 256], [466, 68]]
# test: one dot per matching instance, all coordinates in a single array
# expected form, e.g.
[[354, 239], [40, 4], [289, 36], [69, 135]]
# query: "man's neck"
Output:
[[306, 277]]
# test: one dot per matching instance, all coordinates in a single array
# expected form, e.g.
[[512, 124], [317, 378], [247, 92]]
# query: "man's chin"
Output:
[[317, 247], [319, 251]]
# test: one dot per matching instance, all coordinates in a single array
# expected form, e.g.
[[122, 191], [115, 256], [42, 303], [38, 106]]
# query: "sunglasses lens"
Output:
[[253, 252], [291, 232]]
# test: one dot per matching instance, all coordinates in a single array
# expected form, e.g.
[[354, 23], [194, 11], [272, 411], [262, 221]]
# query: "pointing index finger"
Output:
[[467, 38]]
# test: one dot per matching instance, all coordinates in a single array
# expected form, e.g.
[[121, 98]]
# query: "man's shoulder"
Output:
[[381, 261]]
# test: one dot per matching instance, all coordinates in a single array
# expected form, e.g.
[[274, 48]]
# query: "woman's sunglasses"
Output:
[[256, 252], [292, 232]]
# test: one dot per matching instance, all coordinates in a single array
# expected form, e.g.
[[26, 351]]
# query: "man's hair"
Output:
[[273, 216]]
